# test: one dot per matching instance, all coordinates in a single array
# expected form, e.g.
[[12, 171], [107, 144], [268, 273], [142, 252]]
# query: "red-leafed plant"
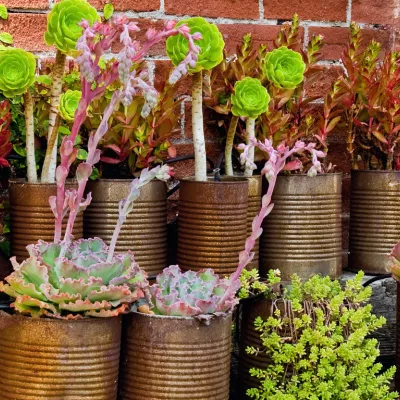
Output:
[[368, 95], [5, 121]]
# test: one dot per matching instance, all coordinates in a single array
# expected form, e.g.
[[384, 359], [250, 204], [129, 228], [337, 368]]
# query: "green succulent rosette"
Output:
[[63, 28], [17, 71], [69, 102], [250, 98], [285, 67], [211, 45]]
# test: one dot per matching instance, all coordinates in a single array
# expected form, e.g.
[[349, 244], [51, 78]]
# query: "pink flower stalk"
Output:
[[94, 42], [275, 164]]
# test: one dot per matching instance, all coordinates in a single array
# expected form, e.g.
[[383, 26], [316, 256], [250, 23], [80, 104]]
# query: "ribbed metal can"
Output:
[[303, 233], [175, 358], [212, 226], [56, 359], [145, 230], [374, 219], [397, 377], [254, 206], [250, 309], [31, 217]]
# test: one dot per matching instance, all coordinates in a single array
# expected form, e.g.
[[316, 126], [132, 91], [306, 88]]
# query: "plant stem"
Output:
[[52, 141], [50, 162], [30, 137], [198, 128], [250, 129], [229, 145]]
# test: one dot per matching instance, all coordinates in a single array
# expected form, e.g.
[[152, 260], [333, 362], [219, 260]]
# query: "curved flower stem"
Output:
[[50, 161], [250, 134], [229, 145], [198, 128], [30, 137]]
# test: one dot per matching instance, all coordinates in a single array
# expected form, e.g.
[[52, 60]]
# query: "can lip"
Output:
[[23, 181], [375, 171], [109, 180], [58, 320], [225, 180], [170, 317], [312, 177]]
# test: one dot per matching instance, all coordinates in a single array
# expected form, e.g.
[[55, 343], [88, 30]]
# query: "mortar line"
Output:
[[261, 9], [349, 10]]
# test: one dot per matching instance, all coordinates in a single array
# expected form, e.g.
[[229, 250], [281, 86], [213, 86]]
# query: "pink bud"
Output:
[[197, 36], [170, 25]]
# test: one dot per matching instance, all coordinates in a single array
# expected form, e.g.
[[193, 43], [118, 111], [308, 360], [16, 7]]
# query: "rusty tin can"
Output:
[[212, 225], [57, 359], [254, 206], [303, 233], [145, 230], [397, 377], [31, 217], [175, 358], [374, 219]]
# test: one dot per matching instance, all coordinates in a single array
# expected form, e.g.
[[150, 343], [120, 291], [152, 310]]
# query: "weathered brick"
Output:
[[323, 84], [27, 4], [336, 39], [320, 10], [237, 9], [233, 34], [129, 5], [28, 31], [374, 11]]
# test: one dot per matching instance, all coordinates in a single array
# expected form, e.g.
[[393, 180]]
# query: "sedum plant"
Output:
[[253, 285], [211, 45], [318, 345], [83, 284]]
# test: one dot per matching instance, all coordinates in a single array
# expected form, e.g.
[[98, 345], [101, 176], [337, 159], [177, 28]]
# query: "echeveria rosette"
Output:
[[211, 45], [285, 67], [69, 102], [63, 29], [250, 98], [81, 284], [17, 71], [189, 294]]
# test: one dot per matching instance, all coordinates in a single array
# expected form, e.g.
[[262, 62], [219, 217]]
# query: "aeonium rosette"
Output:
[[284, 67], [69, 102]]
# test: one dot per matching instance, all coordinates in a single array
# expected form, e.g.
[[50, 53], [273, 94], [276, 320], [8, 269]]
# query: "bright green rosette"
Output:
[[69, 102], [284, 67], [211, 45]]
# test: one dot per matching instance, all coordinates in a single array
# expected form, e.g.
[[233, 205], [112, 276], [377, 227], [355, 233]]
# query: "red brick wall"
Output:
[[378, 18]]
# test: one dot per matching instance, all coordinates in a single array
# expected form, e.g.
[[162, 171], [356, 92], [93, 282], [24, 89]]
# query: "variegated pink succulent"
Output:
[[80, 284], [188, 294]]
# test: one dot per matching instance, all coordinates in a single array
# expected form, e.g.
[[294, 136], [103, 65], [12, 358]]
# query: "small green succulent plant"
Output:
[[189, 294], [211, 45], [69, 104], [250, 98], [284, 67], [63, 28], [17, 71], [80, 284]]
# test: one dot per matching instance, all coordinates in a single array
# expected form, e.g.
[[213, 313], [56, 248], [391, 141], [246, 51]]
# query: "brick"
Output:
[[336, 39], [323, 84], [236, 9], [28, 31], [129, 5], [233, 34], [27, 4], [374, 11], [338, 155], [317, 10]]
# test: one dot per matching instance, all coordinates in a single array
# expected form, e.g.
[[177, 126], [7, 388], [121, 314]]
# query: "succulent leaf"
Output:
[[69, 102]]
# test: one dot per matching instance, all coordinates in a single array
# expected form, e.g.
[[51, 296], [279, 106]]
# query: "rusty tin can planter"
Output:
[[303, 233], [397, 377], [145, 231], [374, 219], [254, 206], [58, 359], [175, 358], [212, 226], [31, 217]]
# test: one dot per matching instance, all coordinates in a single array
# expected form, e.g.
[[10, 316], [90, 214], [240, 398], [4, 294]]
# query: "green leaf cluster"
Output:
[[252, 285], [319, 346]]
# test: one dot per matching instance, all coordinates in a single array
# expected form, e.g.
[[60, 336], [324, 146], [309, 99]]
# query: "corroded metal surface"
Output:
[[31, 216], [374, 219], [397, 377], [175, 358], [254, 205], [303, 233], [46, 359], [144, 232], [212, 224]]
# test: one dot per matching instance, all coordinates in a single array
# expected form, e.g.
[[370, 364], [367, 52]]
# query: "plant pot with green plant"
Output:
[[64, 350], [369, 93]]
